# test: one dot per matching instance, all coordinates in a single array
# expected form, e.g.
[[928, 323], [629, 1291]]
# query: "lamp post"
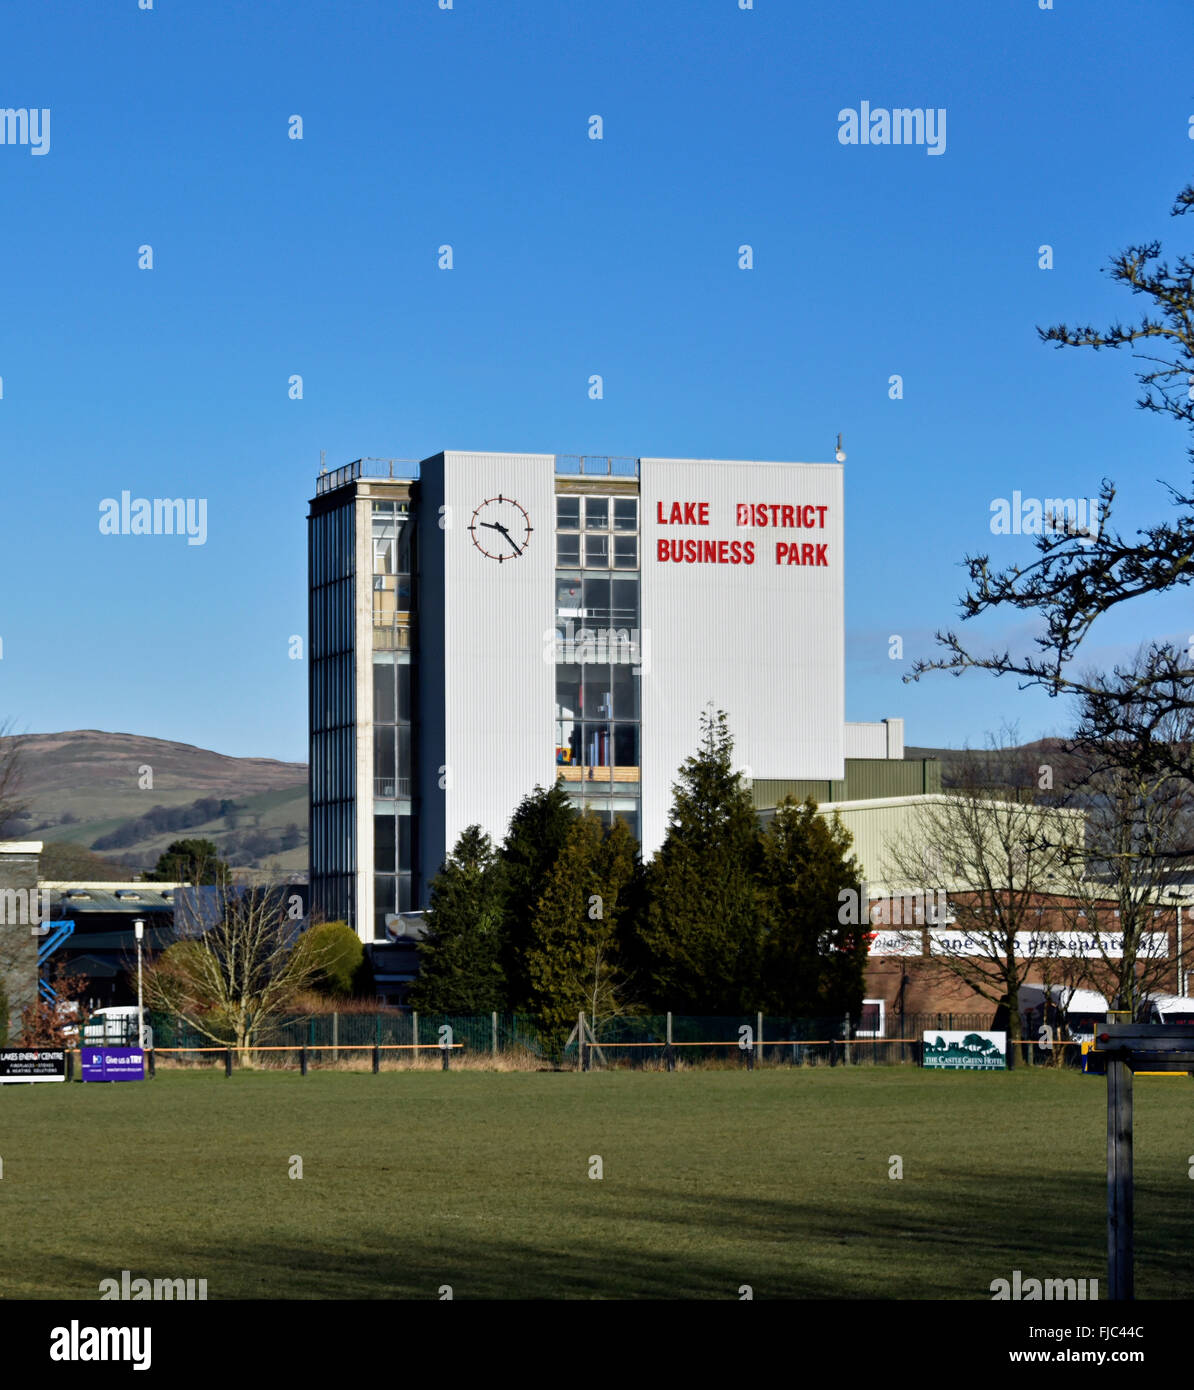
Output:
[[139, 932], [1175, 898]]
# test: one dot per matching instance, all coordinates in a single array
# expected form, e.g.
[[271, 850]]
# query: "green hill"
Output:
[[125, 798]]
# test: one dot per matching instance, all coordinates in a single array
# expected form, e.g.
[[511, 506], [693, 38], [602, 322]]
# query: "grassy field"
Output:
[[776, 1179]]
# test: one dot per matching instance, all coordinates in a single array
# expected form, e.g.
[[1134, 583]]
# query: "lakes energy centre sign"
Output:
[[32, 1064]]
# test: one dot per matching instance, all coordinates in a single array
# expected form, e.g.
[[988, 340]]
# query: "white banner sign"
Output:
[[1059, 944]]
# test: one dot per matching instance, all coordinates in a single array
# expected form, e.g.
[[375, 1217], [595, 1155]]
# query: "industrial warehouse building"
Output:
[[482, 623]]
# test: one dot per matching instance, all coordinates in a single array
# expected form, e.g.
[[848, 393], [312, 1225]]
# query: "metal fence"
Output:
[[344, 1037], [665, 1041]]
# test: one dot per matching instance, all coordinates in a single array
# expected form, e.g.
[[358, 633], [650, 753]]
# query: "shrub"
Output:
[[339, 953]]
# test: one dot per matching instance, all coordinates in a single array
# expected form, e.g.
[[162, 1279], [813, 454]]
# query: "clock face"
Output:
[[500, 528]]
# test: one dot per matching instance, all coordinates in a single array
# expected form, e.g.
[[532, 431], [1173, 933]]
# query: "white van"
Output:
[[1171, 1008], [1083, 1009], [115, 1027]]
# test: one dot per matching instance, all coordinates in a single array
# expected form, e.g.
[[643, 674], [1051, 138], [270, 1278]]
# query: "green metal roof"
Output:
[[866, 779]]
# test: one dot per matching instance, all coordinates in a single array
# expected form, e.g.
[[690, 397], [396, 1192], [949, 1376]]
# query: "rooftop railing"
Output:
[[407, 470], [596, 466], [401, 470]]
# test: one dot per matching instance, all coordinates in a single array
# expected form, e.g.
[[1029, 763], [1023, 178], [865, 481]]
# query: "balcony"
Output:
[[571, 773], [393, 637]]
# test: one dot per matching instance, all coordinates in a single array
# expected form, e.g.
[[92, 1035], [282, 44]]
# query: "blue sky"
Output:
[[572, 256]]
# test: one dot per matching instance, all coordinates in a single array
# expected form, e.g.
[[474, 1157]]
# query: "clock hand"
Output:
[[499, 527]]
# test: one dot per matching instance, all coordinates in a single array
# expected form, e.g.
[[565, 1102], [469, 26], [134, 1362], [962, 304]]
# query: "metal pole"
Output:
[[302, 1061], [1120, 1251], [414, 1031], [376, 1059], [493, 1036], [669, 1055], [140, 1003], [335, 1036], [759, 1037]]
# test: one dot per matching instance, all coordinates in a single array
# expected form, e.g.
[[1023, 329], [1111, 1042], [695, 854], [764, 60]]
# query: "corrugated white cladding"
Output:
[[498, 689], [742, 604]]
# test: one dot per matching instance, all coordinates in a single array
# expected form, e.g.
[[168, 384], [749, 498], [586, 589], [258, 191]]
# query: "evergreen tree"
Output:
[[460, 967], [812, 964], [701, 937], [538, 829], [190, 861], [574, 958]]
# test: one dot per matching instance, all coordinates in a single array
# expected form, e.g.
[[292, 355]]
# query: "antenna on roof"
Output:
[[841, 453]]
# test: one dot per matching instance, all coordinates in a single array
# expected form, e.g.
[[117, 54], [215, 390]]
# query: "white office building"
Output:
[[481, 623]]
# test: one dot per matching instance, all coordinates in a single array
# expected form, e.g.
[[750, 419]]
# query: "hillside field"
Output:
[[711, 1179]]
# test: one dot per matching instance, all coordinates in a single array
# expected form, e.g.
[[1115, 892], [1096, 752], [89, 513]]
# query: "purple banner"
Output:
[[113, 1064]]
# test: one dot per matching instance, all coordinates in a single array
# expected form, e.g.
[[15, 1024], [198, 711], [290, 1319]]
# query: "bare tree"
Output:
[[13, 807], [235, 970], [18, 955], [994, 844], [1077, 576], [1140, 820]]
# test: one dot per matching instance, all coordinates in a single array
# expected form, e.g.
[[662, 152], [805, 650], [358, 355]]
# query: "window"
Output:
[[596, 596], [598, 698], [383, 695], [596, 552], [626, 745], [568, 680], [626, 552], [383, 844], [596, 745], [625, 693], [607, 526], [624, 601], [872, 1021], [384, 749], [568, 596]]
